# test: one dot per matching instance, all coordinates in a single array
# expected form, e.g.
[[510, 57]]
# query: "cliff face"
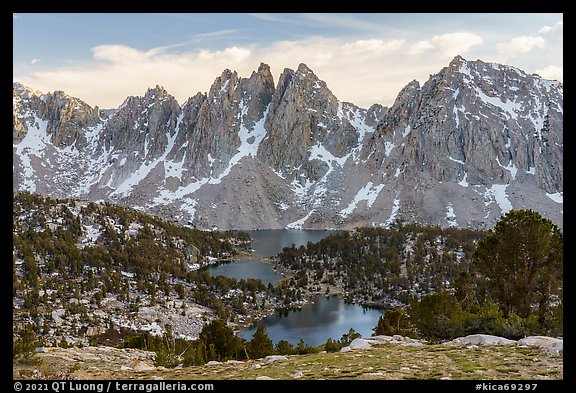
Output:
[[486, 121], [483, 127], [304, 114], [474, 141]]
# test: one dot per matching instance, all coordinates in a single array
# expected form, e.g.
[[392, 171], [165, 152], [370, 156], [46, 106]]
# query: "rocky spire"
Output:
[[67, 117], [214, 123], [303, 112]]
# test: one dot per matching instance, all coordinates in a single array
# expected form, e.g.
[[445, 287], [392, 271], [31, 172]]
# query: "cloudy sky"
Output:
[[364, 58]]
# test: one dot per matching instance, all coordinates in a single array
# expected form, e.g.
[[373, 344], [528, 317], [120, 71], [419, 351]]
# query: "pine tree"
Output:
[[522, 258], [220, 340], [393, 321], [332, 345], [438, 316], [283, 347], [347, 338], [260, 345], [24, 346]]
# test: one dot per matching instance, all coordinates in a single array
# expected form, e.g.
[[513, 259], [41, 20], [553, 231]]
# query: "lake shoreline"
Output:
[[272, 243]]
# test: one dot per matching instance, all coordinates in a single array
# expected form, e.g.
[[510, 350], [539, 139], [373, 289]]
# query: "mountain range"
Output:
[[474, 141]]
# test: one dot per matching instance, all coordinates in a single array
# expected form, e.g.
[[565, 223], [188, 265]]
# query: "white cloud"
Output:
[[355, 71], [552, 72], [362, 71], [447, 45], [522, 44], [34, 61], [420, 47], [374, 45], [548, 29]]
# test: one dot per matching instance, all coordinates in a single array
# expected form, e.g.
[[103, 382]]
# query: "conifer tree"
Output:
[[522, 259], [260, 345]]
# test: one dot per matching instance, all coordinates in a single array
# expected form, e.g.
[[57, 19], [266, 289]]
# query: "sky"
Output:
[[102, 58]]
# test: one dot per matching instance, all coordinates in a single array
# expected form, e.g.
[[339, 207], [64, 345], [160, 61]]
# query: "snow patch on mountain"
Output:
[[298, 224], [368, 193], [394, 213], [249, 142], [33, 144], [510, 168], [498, 193], [557, 197], [406, 131], [143, 171], [450, 216], [508, 107], [455, 160], [463, 182]]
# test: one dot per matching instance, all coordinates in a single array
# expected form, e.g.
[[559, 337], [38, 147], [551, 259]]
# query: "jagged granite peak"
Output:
[[67, 117], [491, 130], [142, 124], [23, 91], [258, 89], [304, 113], [472, 142], [49, 133], [190, 112], [495, 119], [225, 118], [528, 129], [136, 137]]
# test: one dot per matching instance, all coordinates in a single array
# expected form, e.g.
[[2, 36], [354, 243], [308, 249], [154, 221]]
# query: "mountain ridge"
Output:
[[474, 141]]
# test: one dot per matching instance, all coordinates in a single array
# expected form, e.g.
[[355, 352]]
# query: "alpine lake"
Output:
[[324, 317]]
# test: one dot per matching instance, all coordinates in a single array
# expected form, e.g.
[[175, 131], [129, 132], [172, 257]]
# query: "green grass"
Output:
[[391, 360]]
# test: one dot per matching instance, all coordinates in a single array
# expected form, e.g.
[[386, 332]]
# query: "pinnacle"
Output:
[[303, 68], [264, 69]]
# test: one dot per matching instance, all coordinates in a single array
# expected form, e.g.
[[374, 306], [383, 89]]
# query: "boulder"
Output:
[[537, 341], [412, 344], [139, 365], [359, 343], [482, 339], [555, 348], [274, 358]]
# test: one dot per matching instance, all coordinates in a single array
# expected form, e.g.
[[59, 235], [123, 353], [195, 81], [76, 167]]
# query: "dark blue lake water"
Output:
[[271, 241], [314, 323], [247, 268]]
